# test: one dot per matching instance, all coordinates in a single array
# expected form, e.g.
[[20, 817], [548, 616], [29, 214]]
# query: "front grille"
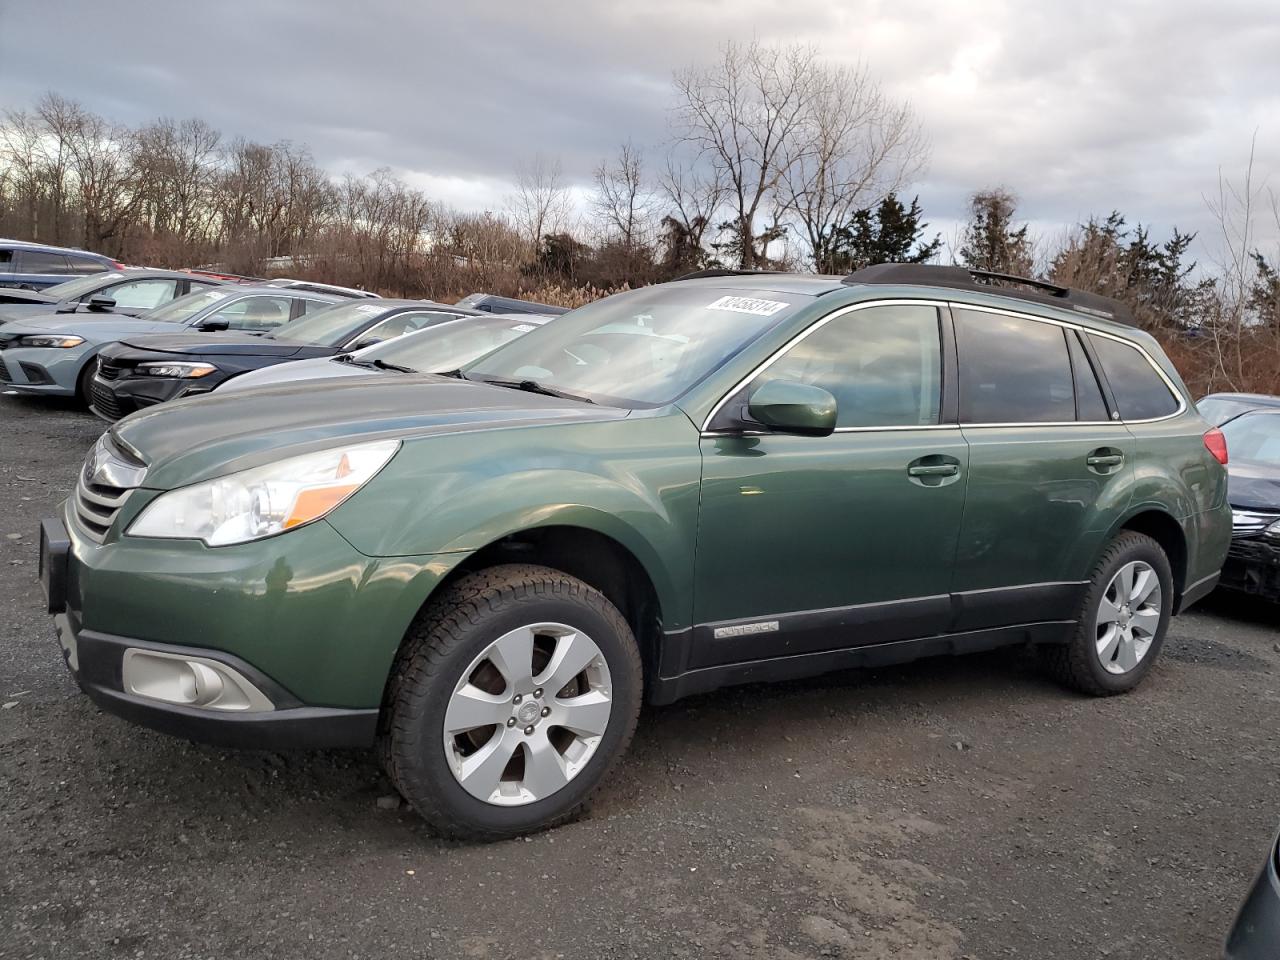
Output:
[[1250, 523], [109, 475], [5, 375], [105, 402]]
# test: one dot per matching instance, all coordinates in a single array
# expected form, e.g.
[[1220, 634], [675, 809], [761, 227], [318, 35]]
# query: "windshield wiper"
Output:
[[371, 364], [533, 386], [383, 365], [455, 374]]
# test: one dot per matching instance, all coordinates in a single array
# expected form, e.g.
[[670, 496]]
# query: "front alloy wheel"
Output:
[[516, 689], [528, 714]]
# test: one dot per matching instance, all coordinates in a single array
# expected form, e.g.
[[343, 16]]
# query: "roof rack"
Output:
[[965, 278], [722, 272]]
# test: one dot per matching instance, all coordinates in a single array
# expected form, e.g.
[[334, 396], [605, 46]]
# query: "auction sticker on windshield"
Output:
[[760, 308]]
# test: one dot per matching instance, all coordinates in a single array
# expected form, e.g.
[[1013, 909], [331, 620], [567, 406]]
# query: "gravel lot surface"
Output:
[[951, 808]]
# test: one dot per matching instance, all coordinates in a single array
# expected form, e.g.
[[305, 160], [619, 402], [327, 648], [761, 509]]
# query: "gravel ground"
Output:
[[947, 809]]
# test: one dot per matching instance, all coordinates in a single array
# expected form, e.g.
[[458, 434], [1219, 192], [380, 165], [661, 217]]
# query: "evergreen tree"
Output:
[[991, 242], [886, 233]]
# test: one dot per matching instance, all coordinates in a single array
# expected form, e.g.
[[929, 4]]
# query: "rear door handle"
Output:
[[933, 470], [1105, 459]]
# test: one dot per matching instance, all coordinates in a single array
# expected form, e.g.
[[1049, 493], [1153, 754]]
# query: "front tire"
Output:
[[515, 693], [84, 382], [1122, 620]]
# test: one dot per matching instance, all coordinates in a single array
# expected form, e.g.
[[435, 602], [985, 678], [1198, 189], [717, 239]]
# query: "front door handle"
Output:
[[933, 470]]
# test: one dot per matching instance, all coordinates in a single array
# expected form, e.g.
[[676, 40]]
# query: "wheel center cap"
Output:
[[528, 712]]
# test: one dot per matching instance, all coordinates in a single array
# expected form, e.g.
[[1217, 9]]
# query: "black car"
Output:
[[130, 291], [1256, 933], [1253, 563], [141, 371]]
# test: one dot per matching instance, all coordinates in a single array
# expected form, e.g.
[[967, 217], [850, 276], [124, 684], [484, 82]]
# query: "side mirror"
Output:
[[101, 304], [361, 344], [791, 407], [214, 324]]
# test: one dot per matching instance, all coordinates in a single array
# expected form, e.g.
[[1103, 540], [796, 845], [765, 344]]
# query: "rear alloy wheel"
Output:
[[515, 692], [1122, 619]]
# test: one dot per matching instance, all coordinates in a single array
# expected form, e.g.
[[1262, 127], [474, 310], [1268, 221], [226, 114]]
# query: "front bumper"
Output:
[[41, 371], [1256, 933], [1253, 566], [96, 661], [305, 618], [113, 399]]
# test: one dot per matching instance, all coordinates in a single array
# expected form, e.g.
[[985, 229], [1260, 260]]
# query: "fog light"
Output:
[[190, 682]]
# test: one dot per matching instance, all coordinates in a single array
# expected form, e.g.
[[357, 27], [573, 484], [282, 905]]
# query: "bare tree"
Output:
[[694, 197], [741, 113], [177, 166], [623, 200], [854, 146], [541, 203]]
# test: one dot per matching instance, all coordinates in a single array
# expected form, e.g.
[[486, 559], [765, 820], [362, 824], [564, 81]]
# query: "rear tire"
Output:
[[515, 693], [1121, 622]]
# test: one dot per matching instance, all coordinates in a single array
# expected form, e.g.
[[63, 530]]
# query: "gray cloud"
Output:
[[1079, 108]]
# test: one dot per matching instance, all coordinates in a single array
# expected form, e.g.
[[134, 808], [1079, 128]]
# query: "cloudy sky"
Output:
[[1079, 107]]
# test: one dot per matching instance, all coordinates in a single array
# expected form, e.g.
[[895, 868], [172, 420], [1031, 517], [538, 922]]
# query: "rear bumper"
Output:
[[1253, 566], [96, 661]]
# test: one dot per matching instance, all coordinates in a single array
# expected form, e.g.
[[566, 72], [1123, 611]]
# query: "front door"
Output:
[[1048, 469], [817, 543]]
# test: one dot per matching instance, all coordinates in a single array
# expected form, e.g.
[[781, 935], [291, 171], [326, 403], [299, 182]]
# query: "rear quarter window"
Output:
[[1140, 392]]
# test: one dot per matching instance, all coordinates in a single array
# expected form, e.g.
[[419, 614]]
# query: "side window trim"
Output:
[[944, 317]]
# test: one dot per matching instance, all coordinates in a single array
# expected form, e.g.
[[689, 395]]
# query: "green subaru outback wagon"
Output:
[[725, 479]]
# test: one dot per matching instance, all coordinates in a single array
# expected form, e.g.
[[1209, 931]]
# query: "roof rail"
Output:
[[966, 278], [722, 272]]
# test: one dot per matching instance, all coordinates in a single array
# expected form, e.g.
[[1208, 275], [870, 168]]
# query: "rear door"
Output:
[[1049, 468], [808, 544]]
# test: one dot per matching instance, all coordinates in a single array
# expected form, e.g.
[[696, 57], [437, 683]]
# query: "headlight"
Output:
[[265, 500], [181, 371], [1272, 532], [49, 340]]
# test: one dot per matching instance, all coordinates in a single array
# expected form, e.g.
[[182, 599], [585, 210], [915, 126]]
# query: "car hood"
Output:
[[96, 329], [186, 441], [1253, 485], [295, 371], [14, 299], [217, 345]]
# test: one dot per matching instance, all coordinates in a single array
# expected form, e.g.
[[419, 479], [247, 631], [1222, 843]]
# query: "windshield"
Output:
[[447, 346], [74, 289], [184, 308], [643, 348], [331, 326], [1254, 436]]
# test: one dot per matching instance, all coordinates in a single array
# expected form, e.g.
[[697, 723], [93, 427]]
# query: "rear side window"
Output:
[[85, 266], [37, 261], [1090, 407], [1140, 392], [1012, 370]]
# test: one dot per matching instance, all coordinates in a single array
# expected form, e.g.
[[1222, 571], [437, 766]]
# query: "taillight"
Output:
[[119, 265], [1216, 443]]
